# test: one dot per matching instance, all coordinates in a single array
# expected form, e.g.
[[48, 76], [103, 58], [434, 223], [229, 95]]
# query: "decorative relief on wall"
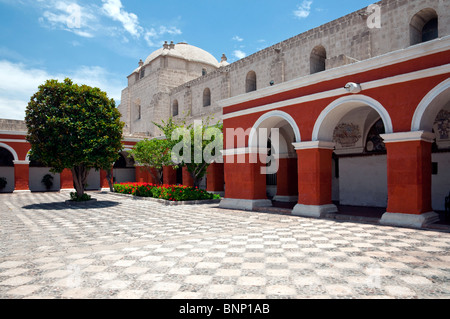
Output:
[[374, 141], [442, 125], [346, 134]]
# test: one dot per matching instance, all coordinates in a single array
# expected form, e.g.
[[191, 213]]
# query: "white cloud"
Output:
[[239, 54], [18, 82], [237, 38], [68, 16], [130, 21], [153, 36], [303, 10]]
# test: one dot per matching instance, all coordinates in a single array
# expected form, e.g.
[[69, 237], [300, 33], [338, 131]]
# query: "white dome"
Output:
[[183, 51]]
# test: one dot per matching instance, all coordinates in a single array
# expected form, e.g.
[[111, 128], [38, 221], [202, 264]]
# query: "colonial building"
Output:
[[354, 112]]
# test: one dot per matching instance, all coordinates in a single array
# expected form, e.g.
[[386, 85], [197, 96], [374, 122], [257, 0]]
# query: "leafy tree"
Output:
[[73, 127], [195, 145], [153, 155]]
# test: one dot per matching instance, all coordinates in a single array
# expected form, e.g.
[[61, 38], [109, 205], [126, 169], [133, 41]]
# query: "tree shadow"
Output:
[[65, 206]]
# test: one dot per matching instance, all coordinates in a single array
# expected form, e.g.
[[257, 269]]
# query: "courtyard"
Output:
[[119, 247]]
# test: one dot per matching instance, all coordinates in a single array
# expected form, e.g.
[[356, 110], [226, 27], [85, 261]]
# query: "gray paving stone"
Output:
[[121, 248]]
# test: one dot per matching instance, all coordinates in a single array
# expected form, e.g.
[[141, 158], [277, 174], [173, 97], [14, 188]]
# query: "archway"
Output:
[[433, 115], [359, 174], [124, 170], [7, 168], [277, 131]]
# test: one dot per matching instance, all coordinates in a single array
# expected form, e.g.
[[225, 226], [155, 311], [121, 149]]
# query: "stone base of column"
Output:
[[315, 211], [409, 220], [286, 199], [244, 204], [21, 191]]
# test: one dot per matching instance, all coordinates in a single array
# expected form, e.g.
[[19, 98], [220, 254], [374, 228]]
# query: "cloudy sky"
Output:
[[100, 42]]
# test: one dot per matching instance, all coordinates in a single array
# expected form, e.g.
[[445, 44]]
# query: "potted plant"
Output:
[[3, 183], [47, 180]]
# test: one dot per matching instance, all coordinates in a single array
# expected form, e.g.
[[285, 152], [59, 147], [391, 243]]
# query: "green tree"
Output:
[[74, 127], [153, 155]]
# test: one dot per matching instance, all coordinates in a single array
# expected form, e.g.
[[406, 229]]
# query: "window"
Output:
[[317, 59], [250, 82], [424, 26], [142, 73], [175, 108], [206, 97], [204, 72], [139, 112]]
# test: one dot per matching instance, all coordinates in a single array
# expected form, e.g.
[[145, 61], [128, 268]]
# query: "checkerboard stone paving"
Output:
[[124, 248]]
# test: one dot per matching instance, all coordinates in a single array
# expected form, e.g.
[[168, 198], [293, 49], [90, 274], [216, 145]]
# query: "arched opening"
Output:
[[359, 174], [124, 170], [6, 170], [424, 26], [276, 131], [175, 108], [318, 59], [206, 97], [250, 82], [433, 115]]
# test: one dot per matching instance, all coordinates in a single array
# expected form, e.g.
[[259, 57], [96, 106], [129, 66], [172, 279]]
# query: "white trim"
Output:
[[314, 145], [390, 58], [408, 136], [358, 100], [9, 148], [13, 133], [6, 140], [21, 162], [253, 140], [244, 150], [416, 123]]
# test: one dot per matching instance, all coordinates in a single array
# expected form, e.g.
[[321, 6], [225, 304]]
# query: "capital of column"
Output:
[[408, 137], [26, 162], [314, 145]]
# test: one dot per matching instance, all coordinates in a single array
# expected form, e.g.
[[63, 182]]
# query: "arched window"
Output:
[[317, 59], [139, 112], [142, 73], [206, 97], [175, 108], [424, 26], [250, 82]]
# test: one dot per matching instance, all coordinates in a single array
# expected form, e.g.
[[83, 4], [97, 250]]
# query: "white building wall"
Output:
[[8, 173], [36, 175], [440, 183], [363, 181]]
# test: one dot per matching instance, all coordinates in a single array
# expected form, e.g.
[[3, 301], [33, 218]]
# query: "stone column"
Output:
[[104, 181], [245, 184], [66, 180], [21, 176], [169, 175], [187, 178], [314, 179], [287, 180], [215, 178], [409, 179]]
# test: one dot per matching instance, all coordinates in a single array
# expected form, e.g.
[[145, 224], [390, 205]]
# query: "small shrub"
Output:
[[74, 197], [3, 182], [47, 180]]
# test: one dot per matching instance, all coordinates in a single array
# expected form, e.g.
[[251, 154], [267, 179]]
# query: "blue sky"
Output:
[[100, 42]]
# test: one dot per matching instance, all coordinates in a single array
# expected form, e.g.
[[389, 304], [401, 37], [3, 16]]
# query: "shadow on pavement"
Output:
[[64, 206]]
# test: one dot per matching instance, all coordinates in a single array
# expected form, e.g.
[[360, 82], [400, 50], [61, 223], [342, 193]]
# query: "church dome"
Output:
[[183, 51]]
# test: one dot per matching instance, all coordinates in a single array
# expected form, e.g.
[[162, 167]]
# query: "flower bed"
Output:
[[176, 193]]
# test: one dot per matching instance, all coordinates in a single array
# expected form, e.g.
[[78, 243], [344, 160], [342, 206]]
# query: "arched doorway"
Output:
[[277, 131], [433, 115], [7, 169], [124, 170], [359, 171]]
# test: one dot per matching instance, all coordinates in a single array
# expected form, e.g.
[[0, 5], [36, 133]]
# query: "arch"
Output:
[[429, 107], [331, 115], [423, 26], [206, 97], [271, 120], [250, 82], [175, 109], [317, 59], [11, 150]]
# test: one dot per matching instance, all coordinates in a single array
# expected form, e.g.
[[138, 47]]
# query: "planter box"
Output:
[[168, 202]]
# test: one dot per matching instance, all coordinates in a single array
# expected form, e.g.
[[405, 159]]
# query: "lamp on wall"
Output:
[[353, 87]]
